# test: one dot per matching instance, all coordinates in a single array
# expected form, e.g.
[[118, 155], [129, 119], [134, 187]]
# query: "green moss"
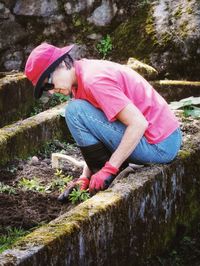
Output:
[[123, 36], [183, 154], [178, 13], [189, 10]]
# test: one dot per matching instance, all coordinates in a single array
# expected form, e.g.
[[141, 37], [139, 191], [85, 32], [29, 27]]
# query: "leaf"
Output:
[[194, 112], [185, 102]]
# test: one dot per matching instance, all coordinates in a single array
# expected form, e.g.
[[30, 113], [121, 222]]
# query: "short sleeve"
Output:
[[109, 97]]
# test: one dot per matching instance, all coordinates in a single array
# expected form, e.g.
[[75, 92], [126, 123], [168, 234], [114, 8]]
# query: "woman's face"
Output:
[[63, 79]]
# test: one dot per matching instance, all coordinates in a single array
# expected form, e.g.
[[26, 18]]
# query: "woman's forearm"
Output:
[[128, 143]]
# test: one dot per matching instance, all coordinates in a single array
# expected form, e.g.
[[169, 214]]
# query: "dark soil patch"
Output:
[[26, 208]]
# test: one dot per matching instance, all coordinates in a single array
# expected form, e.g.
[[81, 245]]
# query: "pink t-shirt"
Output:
[[110, 87]]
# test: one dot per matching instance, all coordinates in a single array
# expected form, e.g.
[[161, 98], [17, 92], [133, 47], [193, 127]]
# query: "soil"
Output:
[[26, 208]]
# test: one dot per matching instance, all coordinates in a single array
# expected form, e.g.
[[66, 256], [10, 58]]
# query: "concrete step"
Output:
[[25, 137], [133, 219], [175, 90]]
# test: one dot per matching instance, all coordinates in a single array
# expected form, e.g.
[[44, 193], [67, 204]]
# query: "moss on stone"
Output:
[[184, 154], [123, 36], [178, 13]]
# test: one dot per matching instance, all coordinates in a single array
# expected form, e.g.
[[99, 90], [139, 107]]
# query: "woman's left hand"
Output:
[[103, 178]]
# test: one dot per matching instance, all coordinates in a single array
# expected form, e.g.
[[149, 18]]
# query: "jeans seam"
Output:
[[108, 125]]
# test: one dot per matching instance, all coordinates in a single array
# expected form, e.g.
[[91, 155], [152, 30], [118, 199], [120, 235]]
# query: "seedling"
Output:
[[78, 195], [60, 182], [33, 184], [7, 189], [105, 46]]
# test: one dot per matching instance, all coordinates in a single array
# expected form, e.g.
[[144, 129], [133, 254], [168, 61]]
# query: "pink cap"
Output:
[[38, 62]]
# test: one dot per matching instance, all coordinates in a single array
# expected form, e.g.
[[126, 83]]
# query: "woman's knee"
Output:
[[73, 107]]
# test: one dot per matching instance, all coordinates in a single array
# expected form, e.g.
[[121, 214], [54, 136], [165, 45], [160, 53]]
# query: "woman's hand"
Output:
[[103, 178]]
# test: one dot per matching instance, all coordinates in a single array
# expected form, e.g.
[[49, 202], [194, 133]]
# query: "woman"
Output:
[[116, 116]]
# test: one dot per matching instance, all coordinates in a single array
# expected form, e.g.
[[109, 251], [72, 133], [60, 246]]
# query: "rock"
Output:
[[5, 12], [95, 36], [9, 3], [72, 7], [145, 70], [12, 60], [103, 14], [34, 160], [10, 33], [37, 8]]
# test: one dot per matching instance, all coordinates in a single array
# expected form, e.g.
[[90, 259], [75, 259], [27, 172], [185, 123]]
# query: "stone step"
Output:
[[25, 137], [133, 219], [16, 97], [175, 90]]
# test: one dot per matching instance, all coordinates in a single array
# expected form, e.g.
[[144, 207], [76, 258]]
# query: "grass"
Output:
[[10, 236]]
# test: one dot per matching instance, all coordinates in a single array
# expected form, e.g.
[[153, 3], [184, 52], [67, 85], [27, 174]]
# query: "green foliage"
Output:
[[10, 236], [54, 146], [58, 98], [35, 185], [55, 99], [105, 46], [7, 189], [31, 184], [143, 3], [78, 195], [188, 105], [60, 182]]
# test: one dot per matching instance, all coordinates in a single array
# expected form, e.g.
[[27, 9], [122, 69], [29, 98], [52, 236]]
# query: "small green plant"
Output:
[[10, 236], [105, 46], [61, 181], [78, 195], [7, 189], [31, 184]]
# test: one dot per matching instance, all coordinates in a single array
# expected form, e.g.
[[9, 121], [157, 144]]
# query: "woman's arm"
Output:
[[136, 125], [86, 171]]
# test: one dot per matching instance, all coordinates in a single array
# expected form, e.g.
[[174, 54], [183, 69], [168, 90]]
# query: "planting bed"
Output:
[[23, 208]]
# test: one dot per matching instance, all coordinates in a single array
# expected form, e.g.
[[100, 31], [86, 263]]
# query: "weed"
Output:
[[10, 236], [54, 100], [33, 184], [105, 46], [78, 195], [7, 189], [54, 146]]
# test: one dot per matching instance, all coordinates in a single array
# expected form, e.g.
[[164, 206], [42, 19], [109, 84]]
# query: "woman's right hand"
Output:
[[82, 183]]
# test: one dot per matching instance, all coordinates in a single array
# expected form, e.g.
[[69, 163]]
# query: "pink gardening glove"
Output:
[[83, 182], [103, 178]]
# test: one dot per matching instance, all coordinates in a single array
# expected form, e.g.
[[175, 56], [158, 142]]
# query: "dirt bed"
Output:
[[26, 209]]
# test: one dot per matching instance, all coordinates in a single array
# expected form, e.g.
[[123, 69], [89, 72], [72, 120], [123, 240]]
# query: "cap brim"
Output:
[[38, 90]]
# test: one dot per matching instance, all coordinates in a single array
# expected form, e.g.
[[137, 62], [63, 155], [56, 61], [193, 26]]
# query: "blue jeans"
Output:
[[89, 125]]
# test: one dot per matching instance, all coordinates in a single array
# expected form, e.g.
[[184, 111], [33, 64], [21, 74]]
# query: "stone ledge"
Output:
[[135, 218], [175, 90], [16, 97], [24, 137]]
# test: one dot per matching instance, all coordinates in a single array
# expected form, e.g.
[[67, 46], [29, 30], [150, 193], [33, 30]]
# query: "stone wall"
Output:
[[163, 33]]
